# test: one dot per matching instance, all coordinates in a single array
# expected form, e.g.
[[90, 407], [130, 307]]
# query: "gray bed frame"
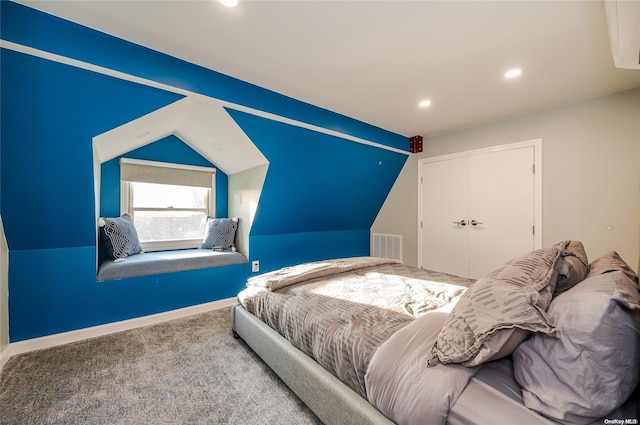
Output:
[[334, 403], [331, 400]]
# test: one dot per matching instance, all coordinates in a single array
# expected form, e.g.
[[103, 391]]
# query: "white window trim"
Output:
[[125, 204]]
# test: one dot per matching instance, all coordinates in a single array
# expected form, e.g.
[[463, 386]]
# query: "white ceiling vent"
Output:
[[623, 17]]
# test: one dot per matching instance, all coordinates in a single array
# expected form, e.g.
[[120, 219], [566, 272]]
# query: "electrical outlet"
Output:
[[255, 266]]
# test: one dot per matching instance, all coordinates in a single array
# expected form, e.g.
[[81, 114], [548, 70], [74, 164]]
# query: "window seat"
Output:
[[159, 262]]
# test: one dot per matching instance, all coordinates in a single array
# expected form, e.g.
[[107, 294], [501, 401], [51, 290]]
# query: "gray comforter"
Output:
[[400, 384], [341, 312]]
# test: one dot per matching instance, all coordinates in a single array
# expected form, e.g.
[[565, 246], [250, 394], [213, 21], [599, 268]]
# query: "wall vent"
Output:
[[387, 246]]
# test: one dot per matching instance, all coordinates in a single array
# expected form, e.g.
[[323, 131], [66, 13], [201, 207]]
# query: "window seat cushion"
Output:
[[159, 262]]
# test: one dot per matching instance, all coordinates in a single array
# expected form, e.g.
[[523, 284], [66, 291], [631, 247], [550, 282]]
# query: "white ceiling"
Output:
[[374, 60]]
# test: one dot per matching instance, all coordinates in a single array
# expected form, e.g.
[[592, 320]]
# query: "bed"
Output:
[[371, 341]]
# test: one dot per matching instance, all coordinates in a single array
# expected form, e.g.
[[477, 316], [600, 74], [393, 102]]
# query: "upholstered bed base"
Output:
[[337, 404], [491, 397], [332, 401]]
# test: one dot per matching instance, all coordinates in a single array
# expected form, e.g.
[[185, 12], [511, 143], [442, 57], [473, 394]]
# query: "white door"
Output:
[[501, 201], [445, 208], [477, 211]]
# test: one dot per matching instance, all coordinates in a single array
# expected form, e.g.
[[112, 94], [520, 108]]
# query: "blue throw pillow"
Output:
[[220, 234], [119, 237]]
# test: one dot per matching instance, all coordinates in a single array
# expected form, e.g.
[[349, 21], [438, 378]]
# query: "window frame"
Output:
[[126, 204]]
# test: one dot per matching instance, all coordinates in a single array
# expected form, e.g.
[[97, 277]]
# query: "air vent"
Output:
[[387, 246]]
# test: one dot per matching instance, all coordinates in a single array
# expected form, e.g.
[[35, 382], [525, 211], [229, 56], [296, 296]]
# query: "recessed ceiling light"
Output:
[[512, 73], [424, 103], [229, 3]]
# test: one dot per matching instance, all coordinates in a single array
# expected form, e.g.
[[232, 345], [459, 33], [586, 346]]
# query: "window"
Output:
[[169, 203]]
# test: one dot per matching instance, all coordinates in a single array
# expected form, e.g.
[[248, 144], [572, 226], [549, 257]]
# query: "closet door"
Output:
[[445, 207], [477, 211], [501, 186]]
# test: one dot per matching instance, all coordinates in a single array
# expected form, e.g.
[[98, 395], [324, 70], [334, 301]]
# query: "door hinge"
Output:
[[533, 229], [421, 225], [534, 168], [421, 180]]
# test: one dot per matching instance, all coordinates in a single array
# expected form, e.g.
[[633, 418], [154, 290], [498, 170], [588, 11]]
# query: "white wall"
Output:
[[399, 213], [4, 297], [244, 193], [591, 173]]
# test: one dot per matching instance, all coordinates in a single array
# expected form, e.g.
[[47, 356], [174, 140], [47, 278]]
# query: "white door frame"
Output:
[[537, 184]]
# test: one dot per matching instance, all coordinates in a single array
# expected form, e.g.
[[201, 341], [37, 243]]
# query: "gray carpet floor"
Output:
[[187, 371]]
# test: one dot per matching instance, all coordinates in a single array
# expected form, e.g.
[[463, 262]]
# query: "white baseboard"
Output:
[[48, 341]]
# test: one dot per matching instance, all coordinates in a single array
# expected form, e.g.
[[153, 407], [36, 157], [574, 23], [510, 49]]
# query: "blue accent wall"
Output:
[[27, 26], [281, 250], [54, 290], [50, 113], [320, 196], [321, 193], [317, 182]]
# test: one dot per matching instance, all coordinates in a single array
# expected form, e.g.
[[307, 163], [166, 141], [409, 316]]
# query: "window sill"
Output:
[[170, 245], [161, 262]]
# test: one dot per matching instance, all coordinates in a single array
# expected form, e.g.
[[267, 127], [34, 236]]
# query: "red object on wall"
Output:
[[415, 144]]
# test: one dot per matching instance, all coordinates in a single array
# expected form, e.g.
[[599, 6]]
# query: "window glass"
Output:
[[168, 212], [153, 195]]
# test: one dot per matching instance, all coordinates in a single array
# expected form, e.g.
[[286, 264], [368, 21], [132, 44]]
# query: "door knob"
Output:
[[475, 223], [461, 222]]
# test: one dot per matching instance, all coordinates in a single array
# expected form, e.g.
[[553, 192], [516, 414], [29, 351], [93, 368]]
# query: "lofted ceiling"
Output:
[[375, 60]]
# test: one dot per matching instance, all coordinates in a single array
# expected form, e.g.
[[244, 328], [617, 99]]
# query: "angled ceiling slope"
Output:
[[202, 124]]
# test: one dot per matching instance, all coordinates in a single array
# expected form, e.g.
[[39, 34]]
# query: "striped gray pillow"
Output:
[[498, 311]]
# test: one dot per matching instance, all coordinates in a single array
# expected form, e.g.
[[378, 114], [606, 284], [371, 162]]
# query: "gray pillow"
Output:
[[611, 262], [220, 234], [498, 311], [574, 265], [119, 237], [592, 365]]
